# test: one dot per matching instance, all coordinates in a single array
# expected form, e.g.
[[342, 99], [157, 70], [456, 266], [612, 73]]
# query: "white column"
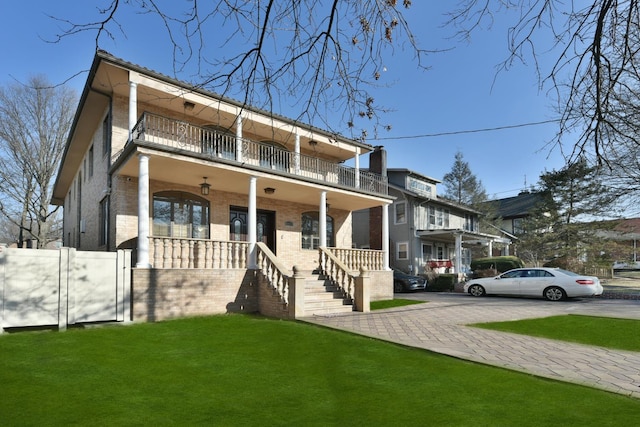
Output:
[[490, 248], [239, 138], [458, 261], [252, 219], [357, 167], [385, 235], [133, 107], [296, 155], [322, 219], [143, 212]]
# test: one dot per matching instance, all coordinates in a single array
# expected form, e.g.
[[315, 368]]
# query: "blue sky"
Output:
[[459, 92]]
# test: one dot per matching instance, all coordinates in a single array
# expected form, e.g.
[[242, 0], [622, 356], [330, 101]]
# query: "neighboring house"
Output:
[[427, 232], [514, 210], [217, 200], [626, 233]]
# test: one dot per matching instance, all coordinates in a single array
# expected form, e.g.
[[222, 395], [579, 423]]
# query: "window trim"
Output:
[[103, 221], [315, 237], [186, 198], [398, 251], [395, 212]]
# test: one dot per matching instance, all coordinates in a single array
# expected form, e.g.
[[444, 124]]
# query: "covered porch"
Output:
[[460, 239]]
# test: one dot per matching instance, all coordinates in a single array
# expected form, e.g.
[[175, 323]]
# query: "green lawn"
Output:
[[240, 370], [623, 334]]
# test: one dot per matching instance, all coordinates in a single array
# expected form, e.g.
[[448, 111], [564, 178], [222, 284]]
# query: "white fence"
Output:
[[63, 287]]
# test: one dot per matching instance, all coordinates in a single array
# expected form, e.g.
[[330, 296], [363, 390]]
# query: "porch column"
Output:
[[385, 236], [133, 107], [239, 138], [143, 211], [252, 218], [357, 159], [458, 261], [296, 155], [490, 248], [322, 219]]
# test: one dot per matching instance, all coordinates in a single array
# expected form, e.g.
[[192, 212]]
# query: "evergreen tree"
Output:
[[564, 226], [462, 186]]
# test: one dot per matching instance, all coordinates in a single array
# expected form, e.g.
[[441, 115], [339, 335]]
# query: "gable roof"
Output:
[[517, 207]]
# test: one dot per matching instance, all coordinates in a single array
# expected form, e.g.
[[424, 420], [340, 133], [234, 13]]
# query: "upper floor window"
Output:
[[470, 222], [178, 214], [90, 160], [438, 217], [106, 134], [311, 230], [517, 226], [400, 213], [103, 221]]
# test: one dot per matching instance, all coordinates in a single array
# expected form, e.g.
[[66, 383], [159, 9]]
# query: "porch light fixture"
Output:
[[269, 190], [188, 105], [204, 187]]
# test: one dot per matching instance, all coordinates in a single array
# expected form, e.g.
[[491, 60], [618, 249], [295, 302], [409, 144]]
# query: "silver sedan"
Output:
[[553, 284]]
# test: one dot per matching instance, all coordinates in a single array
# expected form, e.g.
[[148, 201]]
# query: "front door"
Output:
[[265, 227]]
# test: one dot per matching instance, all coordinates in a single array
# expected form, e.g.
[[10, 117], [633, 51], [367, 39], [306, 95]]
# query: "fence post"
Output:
[[66, 311], [123, 285], [3, 260]]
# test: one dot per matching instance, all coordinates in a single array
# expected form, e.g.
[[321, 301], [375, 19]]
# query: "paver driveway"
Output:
[[440, 326]]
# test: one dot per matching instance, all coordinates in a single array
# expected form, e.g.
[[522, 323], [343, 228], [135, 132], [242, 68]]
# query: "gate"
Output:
[[40, 287]]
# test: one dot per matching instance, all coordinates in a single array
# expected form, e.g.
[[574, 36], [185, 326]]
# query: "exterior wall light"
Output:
[[269, 190], [204, 187]]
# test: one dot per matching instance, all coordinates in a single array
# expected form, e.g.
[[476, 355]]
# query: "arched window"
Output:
[[311, 230], [179, 214]]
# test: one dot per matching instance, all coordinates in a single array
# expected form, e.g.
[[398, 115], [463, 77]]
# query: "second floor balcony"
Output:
[[221, 146]]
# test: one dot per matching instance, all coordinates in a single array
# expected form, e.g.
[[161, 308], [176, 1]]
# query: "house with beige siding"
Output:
[[225, 207], [427, 232]]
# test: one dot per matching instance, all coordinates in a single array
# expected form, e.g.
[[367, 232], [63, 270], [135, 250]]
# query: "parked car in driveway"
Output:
[[554, 284], [403, 282]]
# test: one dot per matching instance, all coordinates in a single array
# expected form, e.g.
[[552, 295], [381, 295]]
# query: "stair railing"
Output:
[[337, 272], [276, 274]]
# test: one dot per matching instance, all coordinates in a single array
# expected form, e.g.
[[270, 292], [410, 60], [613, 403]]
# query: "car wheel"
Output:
[[554, 293], [476, 290], [397, 287]]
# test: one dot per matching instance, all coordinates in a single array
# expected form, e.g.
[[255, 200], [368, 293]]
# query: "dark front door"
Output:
[[265, 227]]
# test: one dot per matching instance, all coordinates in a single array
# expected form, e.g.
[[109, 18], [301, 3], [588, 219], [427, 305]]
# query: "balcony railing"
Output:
[[217, 144]]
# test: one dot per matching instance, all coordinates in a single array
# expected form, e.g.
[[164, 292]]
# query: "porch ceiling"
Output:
[[190, 172]]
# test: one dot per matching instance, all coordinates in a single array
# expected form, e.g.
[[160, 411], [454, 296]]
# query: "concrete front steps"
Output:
[[322, 298]]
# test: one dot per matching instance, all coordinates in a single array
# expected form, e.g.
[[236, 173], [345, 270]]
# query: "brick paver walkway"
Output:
[[440, 326]]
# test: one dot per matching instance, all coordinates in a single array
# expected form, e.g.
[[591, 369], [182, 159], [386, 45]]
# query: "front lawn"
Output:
[[240, 370], [600, 331]]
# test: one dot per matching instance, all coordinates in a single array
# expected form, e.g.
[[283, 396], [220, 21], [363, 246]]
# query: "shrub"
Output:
[[496, 265], [444, 282]]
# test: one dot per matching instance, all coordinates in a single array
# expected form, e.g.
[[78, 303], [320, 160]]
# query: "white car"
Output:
[[553, 284]]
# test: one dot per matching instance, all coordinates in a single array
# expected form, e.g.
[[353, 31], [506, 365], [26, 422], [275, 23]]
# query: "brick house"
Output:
[[218, 201]]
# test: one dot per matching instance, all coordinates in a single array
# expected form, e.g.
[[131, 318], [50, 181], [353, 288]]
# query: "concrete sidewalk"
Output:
[[439, 326]]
